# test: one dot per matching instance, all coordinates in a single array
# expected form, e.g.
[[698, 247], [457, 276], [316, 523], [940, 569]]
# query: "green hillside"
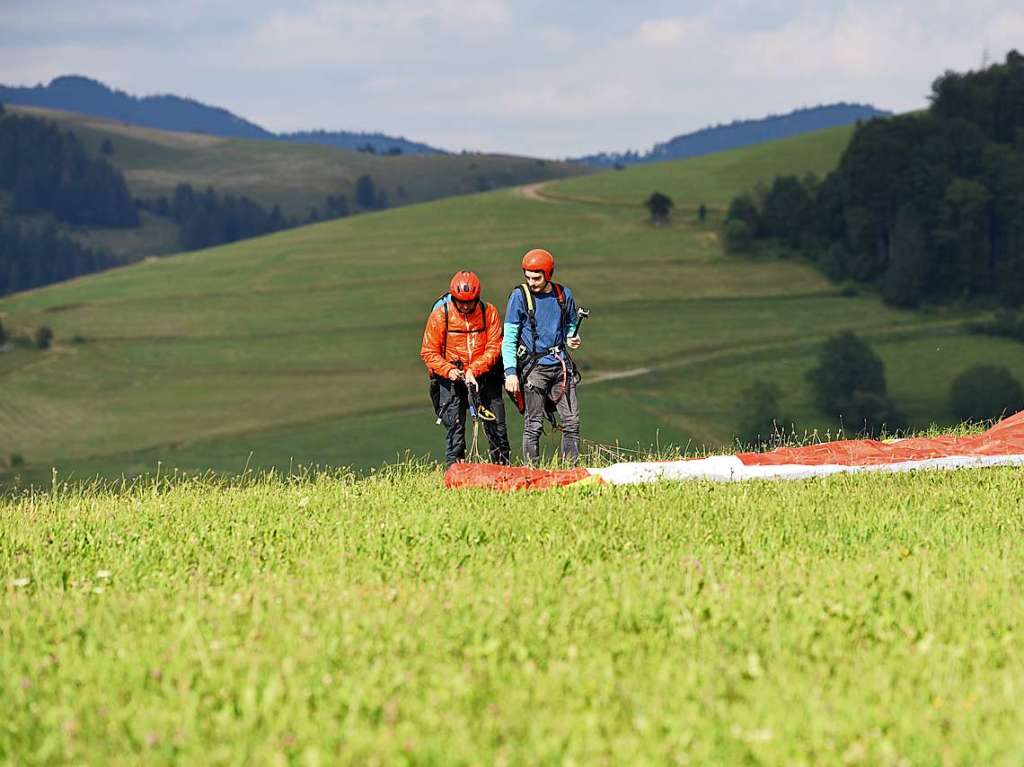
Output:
[[303, 347], [713, 179], [294, 176]]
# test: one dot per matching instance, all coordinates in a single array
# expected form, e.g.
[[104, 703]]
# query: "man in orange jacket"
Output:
[[462, 350]]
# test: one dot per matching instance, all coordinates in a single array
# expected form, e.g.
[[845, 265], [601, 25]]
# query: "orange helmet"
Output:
[[465, 286], [538, 260]]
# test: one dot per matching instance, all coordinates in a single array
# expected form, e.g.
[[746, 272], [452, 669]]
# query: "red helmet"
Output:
[[538, 260], [465, 286]]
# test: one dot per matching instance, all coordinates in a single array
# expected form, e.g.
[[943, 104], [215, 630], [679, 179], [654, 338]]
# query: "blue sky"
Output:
[[552, 79]]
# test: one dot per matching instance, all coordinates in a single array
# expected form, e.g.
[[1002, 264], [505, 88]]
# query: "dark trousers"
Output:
[[545, 382], [453, 405]]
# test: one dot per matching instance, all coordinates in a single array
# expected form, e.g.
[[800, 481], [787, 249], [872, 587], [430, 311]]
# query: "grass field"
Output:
[[853, 620], [302, 348]]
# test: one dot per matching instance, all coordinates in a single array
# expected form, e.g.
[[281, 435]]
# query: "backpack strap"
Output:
[[560, 295], [531, 314], [445, 299]]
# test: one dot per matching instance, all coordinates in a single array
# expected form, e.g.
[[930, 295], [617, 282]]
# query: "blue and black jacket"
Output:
[[555, 321]]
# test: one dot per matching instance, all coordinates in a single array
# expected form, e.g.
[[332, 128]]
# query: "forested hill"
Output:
[[928, 207], [81, 94], [719, 138], [74, 93]]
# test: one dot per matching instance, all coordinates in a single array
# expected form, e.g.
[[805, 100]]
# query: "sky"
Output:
[[532, 77]]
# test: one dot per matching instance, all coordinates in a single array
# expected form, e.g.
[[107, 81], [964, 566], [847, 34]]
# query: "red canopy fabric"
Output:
[[1004, 438], [496, 477], [1003, 444]]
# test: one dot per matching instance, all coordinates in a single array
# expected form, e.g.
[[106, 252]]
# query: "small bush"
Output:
[[737, 237], [43, 337], [743, 208], [846, 365], [17, 459], [849, 384], [660, 206], [984, 392]]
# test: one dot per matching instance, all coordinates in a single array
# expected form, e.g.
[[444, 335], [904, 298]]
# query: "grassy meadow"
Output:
[[328, 620], [302, 348]]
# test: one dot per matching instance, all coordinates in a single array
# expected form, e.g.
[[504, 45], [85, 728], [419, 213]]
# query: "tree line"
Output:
[[206, 218], [29, 259], [928, 207], [48, 171]]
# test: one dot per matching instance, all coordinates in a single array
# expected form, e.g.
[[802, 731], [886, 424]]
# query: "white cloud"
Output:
[[526, 77], [555, 40], [1006, 30], [658, 32], [374, 35]]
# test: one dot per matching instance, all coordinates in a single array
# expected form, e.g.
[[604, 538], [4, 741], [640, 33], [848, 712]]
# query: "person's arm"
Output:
[[492, 346], [513, 315], [433, 339], [572, 320]]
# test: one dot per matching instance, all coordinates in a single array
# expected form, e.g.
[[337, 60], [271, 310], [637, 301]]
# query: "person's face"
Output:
[[535, 281], [464, 307]]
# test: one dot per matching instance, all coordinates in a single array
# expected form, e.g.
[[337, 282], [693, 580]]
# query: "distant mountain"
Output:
[[74, 93], [719, 138], [81, 94]]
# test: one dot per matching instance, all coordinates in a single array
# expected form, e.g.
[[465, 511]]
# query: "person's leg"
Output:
[[453, 415], [568, 408], [535, 392], [496, 430]]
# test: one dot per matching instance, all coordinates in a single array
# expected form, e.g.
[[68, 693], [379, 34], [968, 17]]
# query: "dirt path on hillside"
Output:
[[537, 192], [614, 375], [532, 192]]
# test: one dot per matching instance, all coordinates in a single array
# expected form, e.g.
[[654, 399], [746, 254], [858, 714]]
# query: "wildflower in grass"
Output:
[[20, 582], [103, 574]]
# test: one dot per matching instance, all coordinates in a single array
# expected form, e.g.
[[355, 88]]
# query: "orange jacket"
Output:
[[462, 339]]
